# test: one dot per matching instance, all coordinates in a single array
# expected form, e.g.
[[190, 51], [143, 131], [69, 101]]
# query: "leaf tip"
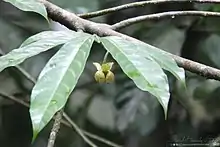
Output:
[[165, 112], [35, 133]]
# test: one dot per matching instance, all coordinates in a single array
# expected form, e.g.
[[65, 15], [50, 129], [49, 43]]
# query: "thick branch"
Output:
[[198, 68], [171, 14], [72, 21], [55, 129], [141, 4]]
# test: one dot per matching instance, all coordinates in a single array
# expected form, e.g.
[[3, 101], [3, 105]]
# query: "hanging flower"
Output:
[[104, 73]]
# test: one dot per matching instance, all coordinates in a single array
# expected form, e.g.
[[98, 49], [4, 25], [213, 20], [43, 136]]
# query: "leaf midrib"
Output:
[[165, 67]]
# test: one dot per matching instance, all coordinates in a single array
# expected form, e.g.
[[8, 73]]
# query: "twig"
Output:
[[101, 139], [171, 14], [83, 111], [141, 4], [78, 130], [72, 21], [19, 101], [55, 129], [90, 135], [26, 74]]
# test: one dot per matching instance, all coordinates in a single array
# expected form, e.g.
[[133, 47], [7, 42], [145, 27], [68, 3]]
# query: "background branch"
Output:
[[78, 130], [141, 4], [171, 14], [12, 98]]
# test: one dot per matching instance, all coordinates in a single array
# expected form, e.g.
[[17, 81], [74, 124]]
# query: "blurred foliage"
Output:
[[82, 6], [118, 112]]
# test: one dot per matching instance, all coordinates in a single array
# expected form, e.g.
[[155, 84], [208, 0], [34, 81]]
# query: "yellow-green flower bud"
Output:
[[103, 73], [99, 76], [110, 77], [106, 66]]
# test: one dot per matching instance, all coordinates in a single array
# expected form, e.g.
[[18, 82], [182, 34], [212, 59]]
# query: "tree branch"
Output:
[[171, 14], [55, 129], [198, 68], [72, 21], [141, 4]]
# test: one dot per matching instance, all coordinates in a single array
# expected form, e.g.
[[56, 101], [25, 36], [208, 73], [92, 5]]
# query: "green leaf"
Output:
[[145, 72], [58, 79], [163, 59], [29, 5], [60, 35], [34, 45]]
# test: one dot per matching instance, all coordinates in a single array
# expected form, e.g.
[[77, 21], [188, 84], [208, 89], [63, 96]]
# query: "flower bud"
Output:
[[106, 66], [110, 77], [100, 76]]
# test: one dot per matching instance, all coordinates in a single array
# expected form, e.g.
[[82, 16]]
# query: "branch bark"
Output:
[[141, 4], [171, 14], [55, 129], [72, 21]]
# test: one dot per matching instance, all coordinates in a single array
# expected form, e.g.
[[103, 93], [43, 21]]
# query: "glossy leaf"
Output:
[[29, 5], [163, 59], [35, 45], [145, 72], [48, 34], [58, 79]]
